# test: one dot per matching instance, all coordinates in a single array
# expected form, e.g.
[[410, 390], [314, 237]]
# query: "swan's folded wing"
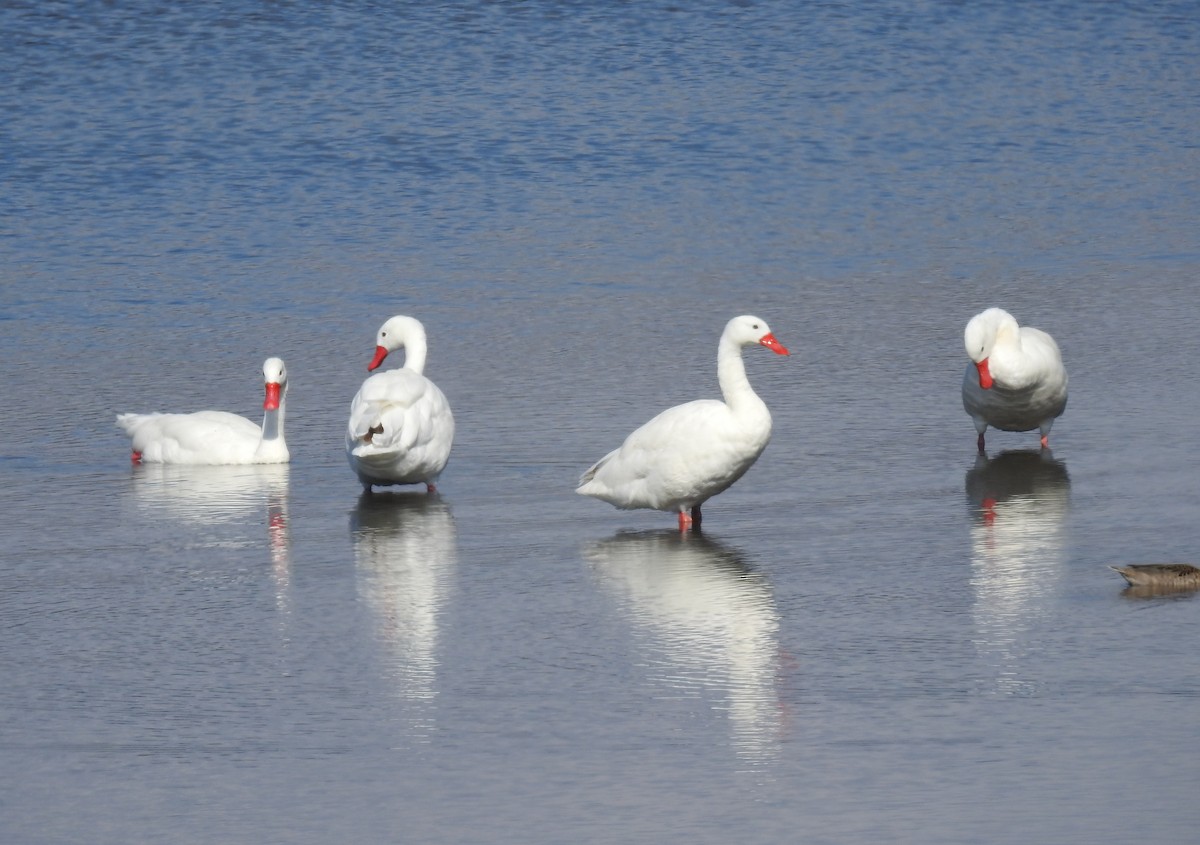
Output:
[[191, 431], [1045, 357], [673, 435], [398, 413], [398, 428], [205, 437], [659, 451], [130, 423], [381, 396]]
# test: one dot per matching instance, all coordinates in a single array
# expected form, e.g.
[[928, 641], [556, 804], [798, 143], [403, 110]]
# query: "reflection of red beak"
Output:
[[768, 340], [271, 403], [985, 375], [380, 354]]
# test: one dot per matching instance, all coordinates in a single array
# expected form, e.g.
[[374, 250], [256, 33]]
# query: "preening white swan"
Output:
[[214, 437], [401, 428], [1016, 381], [690, 453]]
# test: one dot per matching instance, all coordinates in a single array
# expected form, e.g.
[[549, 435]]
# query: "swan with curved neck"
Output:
[[214, 437], [1016, 380], [401, 428], [691, 452]]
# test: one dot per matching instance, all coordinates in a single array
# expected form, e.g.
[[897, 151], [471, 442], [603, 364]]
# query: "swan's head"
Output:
[[748, 331], [396, 333], [275, 379], [980, 337]]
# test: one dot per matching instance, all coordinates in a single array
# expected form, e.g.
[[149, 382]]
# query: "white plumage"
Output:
[[214, 437], [691, 452], [1016, 381], [400, 429]]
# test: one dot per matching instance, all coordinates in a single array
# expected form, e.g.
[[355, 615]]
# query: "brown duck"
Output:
[[1171, 576]]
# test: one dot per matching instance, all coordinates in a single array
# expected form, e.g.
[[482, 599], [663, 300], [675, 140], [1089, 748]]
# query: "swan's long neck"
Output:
[[731, 375], [414, 354], [272, 444], [272, 427]]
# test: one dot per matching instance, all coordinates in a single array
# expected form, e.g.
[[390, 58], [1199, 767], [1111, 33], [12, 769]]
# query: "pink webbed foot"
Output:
[[690, 520]]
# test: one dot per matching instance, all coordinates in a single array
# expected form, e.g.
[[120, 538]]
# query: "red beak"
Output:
[[985, 375], [768, 340], [380, 354], [271, 403]]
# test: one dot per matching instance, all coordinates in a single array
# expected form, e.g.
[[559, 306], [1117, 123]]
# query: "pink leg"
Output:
[[135, 457], [1045, 441], [430, 488], [979, 442], [685, 521]]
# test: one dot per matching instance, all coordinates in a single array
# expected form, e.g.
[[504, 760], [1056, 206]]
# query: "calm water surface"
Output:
[[880, 636]]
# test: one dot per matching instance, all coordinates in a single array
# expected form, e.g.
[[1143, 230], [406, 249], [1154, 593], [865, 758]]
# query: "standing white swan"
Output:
[[1016, 381], [690, 453], [401, 428], [214, 437]]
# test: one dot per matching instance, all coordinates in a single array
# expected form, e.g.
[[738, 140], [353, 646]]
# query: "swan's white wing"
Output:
[[684, 455], [1044, 358], [400, 428], [395, 409], [205, 437]]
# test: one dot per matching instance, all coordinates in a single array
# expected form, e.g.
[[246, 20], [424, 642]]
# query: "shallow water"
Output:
[[879, 636]]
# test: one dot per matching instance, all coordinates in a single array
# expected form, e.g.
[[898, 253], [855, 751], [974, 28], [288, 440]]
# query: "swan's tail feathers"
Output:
[[386, 427], [371, 457], [367, 424], [590, 474], [129, 423]]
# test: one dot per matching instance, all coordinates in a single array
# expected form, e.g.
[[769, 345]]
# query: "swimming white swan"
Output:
[[1016, 381], [401, 428], [690, 453], [214, 437]]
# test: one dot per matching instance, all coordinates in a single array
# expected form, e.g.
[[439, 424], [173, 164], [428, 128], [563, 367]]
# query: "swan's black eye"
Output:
[[756, 325]]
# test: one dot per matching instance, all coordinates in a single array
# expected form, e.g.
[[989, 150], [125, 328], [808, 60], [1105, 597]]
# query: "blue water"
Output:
[[574, 198]]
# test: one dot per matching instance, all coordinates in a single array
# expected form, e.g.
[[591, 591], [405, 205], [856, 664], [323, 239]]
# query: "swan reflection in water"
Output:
[[710, 616], [405, 550], [1019, 502], [215, 500]]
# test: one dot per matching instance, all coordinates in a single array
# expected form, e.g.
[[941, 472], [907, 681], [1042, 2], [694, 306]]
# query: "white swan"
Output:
[[401, 428], [214, 437], [1016, 381], [690, 453]]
